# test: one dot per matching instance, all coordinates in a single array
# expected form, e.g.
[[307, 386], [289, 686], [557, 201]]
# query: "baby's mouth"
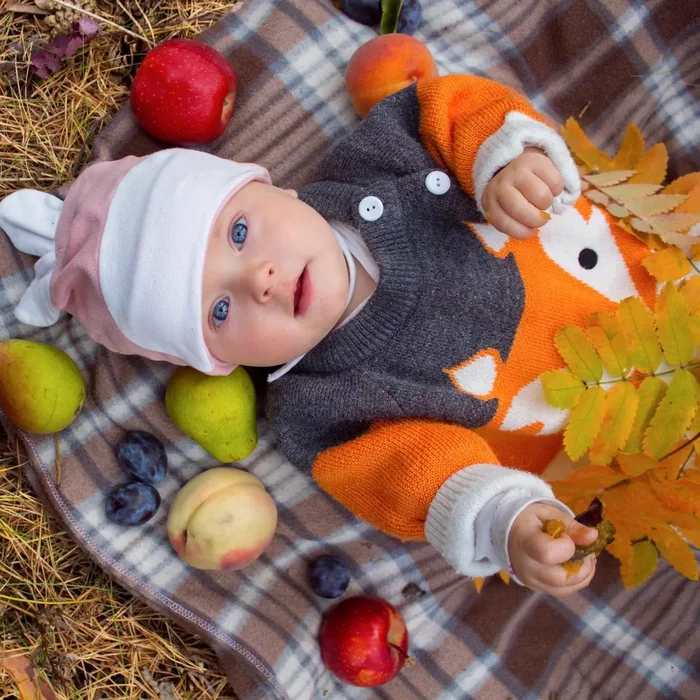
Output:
[[301, 293]]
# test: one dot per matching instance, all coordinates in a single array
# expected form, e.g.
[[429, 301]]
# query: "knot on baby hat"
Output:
[[125, 252]]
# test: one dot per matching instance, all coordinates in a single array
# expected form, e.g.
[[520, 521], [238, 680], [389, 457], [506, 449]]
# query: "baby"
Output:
[[408, 334]]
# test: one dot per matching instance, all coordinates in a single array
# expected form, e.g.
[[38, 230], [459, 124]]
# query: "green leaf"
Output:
[[672, 318], [639, 565], [391, 9], [673, 416], [607, 337], [561, 388], [638, 325], [579, 354], [585, 421]]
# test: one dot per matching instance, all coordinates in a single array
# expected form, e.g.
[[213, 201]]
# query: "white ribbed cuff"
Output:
[[504, 146], [450, 525]]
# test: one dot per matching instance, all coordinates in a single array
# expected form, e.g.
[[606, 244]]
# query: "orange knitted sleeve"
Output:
[[458, 113], [389, 475]]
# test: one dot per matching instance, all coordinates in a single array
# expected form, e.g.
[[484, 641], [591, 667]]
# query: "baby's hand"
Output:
[[536, 557], [517, 195]]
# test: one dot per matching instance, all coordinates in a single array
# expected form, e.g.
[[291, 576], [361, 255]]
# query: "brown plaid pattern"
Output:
[[612, 61]]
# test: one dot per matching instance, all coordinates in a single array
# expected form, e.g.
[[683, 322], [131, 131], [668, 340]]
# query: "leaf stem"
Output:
[[685, 464], [680, 447]]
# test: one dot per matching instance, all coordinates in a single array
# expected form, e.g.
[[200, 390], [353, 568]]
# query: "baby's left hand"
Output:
[[536, 557], [517, 195]]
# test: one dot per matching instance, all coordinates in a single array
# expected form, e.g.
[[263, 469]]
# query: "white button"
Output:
[[371, 208], [437, 182]]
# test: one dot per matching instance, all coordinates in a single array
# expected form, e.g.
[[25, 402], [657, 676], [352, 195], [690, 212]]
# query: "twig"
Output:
[[681, 447], [67, 5]]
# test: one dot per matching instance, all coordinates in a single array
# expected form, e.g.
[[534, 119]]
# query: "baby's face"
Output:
[[275, 279]]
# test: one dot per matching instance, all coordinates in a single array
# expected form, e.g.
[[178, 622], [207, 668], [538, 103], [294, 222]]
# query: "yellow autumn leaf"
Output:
[[617, 210], [690, 291], [638, 561], [629, 192], [620, 409], [675, 551], [695, 251], [651, 167], [613, 177], [631, 148], [605, 332], [578, 353], [672, 319], [683, 184], [561, 388], [656, 204], [638, 325], [585, 422], [667, 265], [635, 464], [650, 392], [673, 415], [581, 147]]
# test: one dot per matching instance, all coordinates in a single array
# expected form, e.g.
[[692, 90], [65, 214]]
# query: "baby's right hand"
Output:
[[536, 557]]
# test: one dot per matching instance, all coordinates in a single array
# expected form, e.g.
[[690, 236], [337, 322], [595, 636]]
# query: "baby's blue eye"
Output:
[[220, 312], [239, 232]]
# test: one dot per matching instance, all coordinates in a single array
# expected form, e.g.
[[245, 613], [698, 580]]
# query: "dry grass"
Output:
[[87, 636]]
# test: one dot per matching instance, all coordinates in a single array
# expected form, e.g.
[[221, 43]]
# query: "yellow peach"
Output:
[[221, 519]]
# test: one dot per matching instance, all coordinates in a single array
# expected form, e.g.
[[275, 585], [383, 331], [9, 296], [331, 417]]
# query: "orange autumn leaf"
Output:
[[667, 264], [675, 551], [683, 184], [690, 291], [581, 147], [652, 166], [678, 494], [572, 567], [554, 528], [584, 483], [635, 464], [691, 205], [631, 148]]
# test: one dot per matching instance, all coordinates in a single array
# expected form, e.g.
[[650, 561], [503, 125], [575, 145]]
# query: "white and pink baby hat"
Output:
[[125, 251]]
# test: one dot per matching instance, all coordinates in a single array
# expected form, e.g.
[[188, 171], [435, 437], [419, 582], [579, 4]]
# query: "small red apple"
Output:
[[364, 641], [183, 92]]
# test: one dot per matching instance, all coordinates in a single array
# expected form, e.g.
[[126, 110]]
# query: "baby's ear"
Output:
[[292, 192]]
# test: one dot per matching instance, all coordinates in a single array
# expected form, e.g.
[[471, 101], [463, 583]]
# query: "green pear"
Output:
[[41, 388], [216, 412]]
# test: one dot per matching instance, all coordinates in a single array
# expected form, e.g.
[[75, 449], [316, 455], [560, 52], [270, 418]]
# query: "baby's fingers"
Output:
[[547, 551], [557, 581]]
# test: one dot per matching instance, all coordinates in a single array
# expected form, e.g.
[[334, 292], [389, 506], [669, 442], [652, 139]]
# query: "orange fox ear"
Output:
[[633, 252], [584, 207]]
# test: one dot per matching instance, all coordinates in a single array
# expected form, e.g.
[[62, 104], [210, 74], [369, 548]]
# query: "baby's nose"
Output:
[[264, 282]]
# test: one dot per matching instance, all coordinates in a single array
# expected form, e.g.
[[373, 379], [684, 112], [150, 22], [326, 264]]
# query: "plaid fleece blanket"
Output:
[[610, 62]]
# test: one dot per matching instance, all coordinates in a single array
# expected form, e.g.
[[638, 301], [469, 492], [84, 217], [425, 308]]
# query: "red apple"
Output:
[[364, 641], [183, 92]]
